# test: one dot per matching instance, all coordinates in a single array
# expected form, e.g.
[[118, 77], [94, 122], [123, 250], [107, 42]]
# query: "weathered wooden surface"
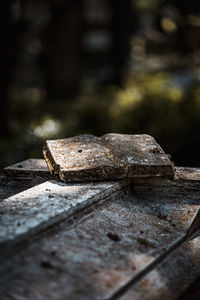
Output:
[[46, 204], [187, 174], [193, 292], [11, 186], [113, 156], [29, 168], [170, 278], [134, 247], [37, 168]]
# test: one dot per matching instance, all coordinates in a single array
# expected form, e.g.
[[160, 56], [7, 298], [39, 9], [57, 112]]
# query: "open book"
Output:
[[112, 156]]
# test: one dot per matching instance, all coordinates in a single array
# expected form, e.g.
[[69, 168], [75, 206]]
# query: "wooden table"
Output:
[[100, 240]]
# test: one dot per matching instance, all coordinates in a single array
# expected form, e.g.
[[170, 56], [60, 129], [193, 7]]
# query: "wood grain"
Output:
[[123, 240]]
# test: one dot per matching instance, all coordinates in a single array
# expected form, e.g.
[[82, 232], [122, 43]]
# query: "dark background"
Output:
[[70, 67]]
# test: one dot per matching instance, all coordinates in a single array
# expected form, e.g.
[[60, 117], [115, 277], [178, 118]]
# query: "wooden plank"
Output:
[[112, 156], [29, 168], [32, 168], [170, 278], [193, 292], [11, 186], [106, 247], [35, 209], [187, 174]]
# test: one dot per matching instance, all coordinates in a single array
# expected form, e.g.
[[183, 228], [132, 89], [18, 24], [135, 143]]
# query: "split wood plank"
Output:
[[99, 253], [35, 209], [112, 156], [170, 278]]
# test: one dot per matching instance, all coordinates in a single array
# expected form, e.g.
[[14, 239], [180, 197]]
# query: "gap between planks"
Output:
[[146, 205], [135, 279], [151, 266]]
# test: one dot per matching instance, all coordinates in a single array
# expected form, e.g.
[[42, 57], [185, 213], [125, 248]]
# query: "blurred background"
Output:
[[70, 67]]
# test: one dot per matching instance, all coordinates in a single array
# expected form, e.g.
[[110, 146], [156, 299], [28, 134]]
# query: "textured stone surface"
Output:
[[113, 156], [35, 209]]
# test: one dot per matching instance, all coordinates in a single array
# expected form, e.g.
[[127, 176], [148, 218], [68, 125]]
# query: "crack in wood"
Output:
[[193, 232], [150, 197]]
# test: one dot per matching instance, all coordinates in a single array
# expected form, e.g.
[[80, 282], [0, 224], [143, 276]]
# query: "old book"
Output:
[[112, 156]]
